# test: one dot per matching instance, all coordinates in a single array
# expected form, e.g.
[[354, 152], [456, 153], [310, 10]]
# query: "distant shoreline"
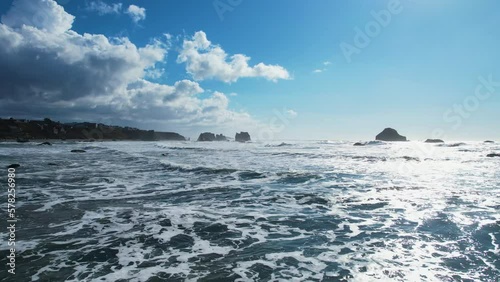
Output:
[[24, 130], [84, 140]]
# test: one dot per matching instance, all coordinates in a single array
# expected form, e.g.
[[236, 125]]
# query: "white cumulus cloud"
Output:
[[207, 61], [136, 13], [45, 15], [103, 8]]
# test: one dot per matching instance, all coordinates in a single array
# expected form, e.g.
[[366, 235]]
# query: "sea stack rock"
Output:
[[242, 137], [493, 155], [434, 141], [206, 136], [390, 134], [489, 142], [220, 137]]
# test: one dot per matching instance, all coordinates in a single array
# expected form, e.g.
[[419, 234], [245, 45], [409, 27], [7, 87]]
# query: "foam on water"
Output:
[[281, 211]]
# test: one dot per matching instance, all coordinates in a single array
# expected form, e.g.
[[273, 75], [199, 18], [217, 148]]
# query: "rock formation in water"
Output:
[[209, 136], [434, 141], [359, 144], [390, 134], [206, 136], [493, 155], [78, 151], [452, 145], [220, 137], [242, 137], [489, 142]]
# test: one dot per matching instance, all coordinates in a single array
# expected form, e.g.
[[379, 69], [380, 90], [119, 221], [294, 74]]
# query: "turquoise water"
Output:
[[264, 211]]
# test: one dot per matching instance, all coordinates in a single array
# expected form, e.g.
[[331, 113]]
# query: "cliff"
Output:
[[48, 129]]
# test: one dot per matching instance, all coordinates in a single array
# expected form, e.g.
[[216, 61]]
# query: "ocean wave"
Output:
[[376, 143], [370, 143], [297, 177], [329, 142], [283, 144], [452, 145], [285, 177], [197, 170], [198, 149], [124, 212]]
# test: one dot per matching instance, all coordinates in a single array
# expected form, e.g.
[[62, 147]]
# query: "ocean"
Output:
[[261, 211]]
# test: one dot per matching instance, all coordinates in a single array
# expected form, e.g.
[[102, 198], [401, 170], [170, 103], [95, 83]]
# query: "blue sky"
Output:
[[412, 74]]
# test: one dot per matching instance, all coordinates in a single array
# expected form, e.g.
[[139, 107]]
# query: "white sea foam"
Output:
[[306, 211]]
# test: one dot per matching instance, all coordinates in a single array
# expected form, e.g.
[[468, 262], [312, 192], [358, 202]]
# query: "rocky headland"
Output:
[[24, 130]]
